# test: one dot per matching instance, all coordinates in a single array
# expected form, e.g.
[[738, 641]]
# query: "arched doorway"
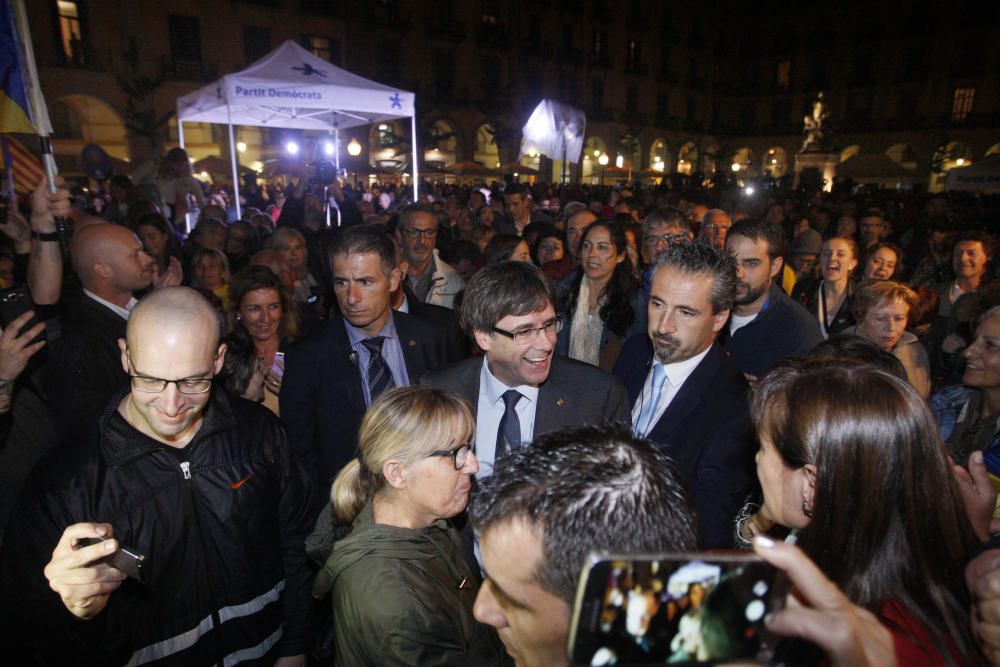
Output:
[[904, 155], [776, 162], [593, 149], [486, 151], [441, 143], [687, 159], [84, 119], [659, 156]]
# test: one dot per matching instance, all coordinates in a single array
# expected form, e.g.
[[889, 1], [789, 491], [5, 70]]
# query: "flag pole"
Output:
[[38, 112]]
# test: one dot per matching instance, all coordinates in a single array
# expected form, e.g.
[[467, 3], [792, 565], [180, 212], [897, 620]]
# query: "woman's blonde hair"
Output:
[[407, 424], [872, 293]]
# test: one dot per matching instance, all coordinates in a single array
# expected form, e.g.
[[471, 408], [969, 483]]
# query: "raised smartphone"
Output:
[[687, 609]]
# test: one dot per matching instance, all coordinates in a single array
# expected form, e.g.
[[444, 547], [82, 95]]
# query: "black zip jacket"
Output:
[[221, 522]]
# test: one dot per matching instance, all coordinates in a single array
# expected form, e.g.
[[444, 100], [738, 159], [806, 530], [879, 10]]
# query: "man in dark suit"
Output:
[[84, 369], [520, 389], [688, 397], [332, 377]]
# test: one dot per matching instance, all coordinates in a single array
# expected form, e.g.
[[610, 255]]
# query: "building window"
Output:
[[600, 44], [185, 44], [256, 43], [326, 48], [633, 54], [631, 99], [70, 32], [961, 105], [596, 94], [783, 75]]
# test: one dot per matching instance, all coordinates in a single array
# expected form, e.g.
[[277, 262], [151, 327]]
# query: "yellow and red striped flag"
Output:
[[23, 169]]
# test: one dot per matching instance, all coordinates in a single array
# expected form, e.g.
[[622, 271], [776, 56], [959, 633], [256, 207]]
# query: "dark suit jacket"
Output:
[[707, 431], [446, 321], [574, 394], [322, 400], [84, 369]]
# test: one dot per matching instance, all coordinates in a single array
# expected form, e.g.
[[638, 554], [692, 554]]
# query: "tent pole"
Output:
[[180, 140], [336, 146], [416, 171], [232, 155]]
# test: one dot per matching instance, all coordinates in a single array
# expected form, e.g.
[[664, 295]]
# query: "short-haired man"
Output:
[[576, 225], [970, 258], [431, 279], [687, 395], [200, 482], [332, 377], [84, 370], [547, 507], [520, 389], [714, 227], [765, 325], [663, 227], [518, 208], [873, 228]]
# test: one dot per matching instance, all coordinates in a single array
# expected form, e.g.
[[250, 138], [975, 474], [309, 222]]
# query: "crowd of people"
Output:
[[394, 439]]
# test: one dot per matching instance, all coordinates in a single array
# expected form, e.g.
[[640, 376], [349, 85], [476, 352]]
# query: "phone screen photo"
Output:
[[655, 609]]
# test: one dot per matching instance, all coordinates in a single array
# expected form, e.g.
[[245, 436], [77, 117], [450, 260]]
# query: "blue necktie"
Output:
[[379, 375], [509, 432], [642, 424]]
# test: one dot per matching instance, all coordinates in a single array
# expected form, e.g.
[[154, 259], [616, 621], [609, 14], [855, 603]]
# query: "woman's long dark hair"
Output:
[[888, 521], [616, 313], [173, 245], [260, 277]]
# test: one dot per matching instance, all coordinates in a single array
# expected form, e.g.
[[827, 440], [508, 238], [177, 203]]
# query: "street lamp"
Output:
[[735, 167], [603, 161], [292, 148], [241, 146], [354, 148]]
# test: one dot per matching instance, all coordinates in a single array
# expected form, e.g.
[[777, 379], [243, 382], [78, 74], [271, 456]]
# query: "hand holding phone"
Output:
[[79, 573], [694, 608]]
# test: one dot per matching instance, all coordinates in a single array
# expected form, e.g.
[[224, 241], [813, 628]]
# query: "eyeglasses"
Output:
[[459, 455], [151, 385], [414, 233], [550, 328], [669, 239]]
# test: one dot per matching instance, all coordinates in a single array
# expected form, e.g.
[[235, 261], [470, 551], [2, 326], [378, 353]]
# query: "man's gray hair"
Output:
[[701, 258]]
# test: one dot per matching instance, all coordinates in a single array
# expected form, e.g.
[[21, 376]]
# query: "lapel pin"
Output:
[[412, 343], [560, 402]]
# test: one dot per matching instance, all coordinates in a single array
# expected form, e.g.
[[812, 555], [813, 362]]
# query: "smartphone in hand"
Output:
[[690, 609]]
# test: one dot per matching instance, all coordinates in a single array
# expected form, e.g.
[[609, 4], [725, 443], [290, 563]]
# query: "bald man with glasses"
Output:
[[198, 484]]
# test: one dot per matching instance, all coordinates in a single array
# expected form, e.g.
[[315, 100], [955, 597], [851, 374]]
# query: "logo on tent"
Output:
[[397, 101], [308, 69]]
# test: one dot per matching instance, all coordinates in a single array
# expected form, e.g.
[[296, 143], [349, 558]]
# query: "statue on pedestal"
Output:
[[817, 138]]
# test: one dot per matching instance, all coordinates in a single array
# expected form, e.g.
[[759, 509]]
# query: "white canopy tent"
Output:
[[982, 176], [292, 88]]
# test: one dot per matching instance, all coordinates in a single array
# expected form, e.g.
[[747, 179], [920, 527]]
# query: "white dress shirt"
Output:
[[677, 373], [489, 412]]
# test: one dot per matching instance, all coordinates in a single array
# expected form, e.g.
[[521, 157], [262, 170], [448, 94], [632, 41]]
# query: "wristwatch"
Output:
[[44, 236]]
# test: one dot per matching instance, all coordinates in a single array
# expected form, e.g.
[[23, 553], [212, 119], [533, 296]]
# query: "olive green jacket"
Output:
[[404, 597]]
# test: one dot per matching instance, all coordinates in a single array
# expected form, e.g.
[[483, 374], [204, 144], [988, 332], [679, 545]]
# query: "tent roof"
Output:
[[983, 176], [873, 166], [292, 88]]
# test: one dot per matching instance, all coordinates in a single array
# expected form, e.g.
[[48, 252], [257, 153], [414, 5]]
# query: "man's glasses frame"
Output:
[[552, 327], [414, 233], [151, 385]]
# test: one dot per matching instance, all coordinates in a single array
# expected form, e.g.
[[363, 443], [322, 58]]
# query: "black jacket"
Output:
[[322, 400], [782, 329], [84, 369], [221, 522]]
